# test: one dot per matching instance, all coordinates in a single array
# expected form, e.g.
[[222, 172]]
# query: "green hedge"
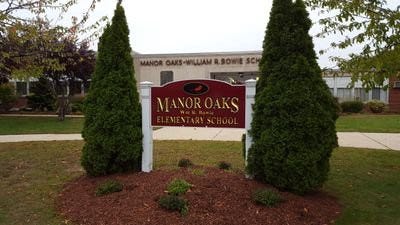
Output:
[[376, 106], [352, 106]]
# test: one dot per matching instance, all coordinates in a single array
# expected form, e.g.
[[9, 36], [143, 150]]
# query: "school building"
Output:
[[232, 67]]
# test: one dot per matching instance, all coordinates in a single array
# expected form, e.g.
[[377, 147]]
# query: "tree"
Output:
[[274, 34], [293, 126], [373, 24], [78, 64], [112, 128], [7, 96], [43, 98], [29, 40]]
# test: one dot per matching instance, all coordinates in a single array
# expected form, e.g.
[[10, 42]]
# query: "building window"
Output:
[[344, 94], [76, 87], [32, 85], [166, 76], [21, 88], [376, 93], [360, 94]]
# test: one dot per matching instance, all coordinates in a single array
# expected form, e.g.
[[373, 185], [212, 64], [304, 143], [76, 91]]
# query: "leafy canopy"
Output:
[[29, 39], [373, 24]]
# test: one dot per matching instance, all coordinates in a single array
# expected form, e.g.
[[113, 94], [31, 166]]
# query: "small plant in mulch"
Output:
[[266, 197], [224, 165], [174, 203], [108, 187], [178, 187], [198, 172], [185, 163]]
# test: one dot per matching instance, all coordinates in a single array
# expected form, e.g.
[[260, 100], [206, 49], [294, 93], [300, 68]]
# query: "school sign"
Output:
[[194, 103], [198, 103]]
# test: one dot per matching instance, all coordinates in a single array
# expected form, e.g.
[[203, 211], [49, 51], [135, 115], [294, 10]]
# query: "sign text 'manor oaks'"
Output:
[[199, 103]]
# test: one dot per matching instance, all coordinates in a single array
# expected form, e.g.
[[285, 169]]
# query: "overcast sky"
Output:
[[182, 26]]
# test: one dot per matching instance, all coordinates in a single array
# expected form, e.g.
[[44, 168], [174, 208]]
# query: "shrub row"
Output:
[[374, 106]]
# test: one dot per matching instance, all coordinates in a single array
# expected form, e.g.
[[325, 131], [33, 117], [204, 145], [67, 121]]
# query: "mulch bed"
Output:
[[217, 197]]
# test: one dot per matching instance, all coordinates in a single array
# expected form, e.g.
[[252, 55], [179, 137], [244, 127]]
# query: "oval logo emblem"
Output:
[[195, 88]]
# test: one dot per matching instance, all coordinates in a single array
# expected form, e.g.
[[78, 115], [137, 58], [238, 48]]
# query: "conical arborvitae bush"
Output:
[[112, 129], [294, 117]]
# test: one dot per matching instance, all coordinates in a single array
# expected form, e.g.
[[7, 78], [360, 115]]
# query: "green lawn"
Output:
[[39, 125], [366, 182], [369, 123]]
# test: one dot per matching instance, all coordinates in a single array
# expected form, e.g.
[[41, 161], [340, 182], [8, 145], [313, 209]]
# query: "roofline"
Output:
[[165, 55]]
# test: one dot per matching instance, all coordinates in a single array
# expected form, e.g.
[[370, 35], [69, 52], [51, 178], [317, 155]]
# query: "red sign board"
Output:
[[198, 103]]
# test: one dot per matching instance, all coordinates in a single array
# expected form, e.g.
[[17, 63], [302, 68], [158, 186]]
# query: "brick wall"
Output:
[[394, 97]]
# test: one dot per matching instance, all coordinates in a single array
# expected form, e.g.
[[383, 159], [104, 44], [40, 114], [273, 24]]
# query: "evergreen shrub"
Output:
[[178, 187], [266, 197], [112, 129], [185, 163], [352, 106], [293, 127], [174, 203], [224, 165], [376, 106], [108, 187]]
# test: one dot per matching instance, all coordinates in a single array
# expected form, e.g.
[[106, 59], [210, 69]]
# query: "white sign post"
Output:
[[147, 129], [145, 93], [250, 94]]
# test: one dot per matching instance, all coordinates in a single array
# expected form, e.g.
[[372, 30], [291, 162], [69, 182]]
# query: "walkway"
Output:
[[346, 139]]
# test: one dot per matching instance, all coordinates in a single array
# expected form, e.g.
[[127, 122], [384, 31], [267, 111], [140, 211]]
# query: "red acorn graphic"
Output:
[[198, 88]]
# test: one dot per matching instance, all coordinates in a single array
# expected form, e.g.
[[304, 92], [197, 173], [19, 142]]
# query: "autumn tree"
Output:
[[31, 45], [78, 62], [372, 24], [29, 39]]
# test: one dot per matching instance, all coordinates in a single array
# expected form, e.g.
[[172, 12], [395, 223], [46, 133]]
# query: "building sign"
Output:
[[202, 61], [198, 103]]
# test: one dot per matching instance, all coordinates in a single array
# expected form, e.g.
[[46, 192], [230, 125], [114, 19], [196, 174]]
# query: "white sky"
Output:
[[184, 26]]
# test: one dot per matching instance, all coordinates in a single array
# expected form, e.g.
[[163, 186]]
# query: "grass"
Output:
[[201, 153], [39, 125], [365, 181], [31, 175], [369, 123], [44, 125]]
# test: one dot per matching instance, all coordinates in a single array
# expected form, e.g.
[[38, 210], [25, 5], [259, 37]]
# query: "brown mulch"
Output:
[[217, 197]]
